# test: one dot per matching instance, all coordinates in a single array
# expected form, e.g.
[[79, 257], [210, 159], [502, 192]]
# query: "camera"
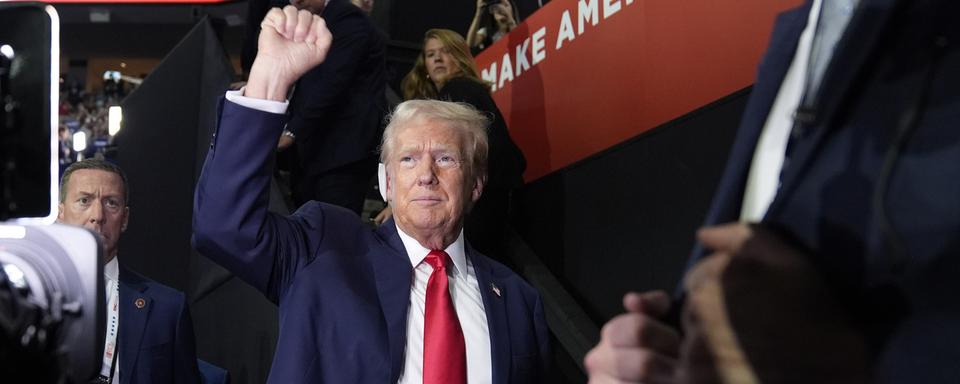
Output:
[[50, 285], [51, 280]]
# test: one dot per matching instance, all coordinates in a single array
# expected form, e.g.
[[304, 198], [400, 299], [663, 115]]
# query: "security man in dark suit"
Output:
[[337, 110], [149, 336]]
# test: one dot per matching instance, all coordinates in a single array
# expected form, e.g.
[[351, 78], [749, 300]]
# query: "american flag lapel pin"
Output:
[[495, 289]]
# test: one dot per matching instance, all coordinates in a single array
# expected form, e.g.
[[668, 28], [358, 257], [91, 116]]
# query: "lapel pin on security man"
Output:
[[496, 289], [140, 303]]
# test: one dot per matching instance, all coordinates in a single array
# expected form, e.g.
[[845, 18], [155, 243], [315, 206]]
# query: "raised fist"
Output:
[[291, 43]]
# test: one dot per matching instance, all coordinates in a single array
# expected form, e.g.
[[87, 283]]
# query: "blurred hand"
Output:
[[636, 347], [481, 34], [284, 142], [383, 216], [709, 352], [757, 311], [291, 43]]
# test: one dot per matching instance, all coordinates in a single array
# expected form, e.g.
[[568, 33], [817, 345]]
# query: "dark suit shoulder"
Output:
[[341, 14], [465, 83], [159, 292], [463, 89], [497, 269], [506, 275], [466, 90], [332, 227], [337, 8], [315, 213]]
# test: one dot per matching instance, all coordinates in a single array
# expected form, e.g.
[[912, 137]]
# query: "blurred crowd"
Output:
[[85, 116]]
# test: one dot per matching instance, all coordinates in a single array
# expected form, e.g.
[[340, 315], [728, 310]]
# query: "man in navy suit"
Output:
[[337, 108], [149, 336], [408, 302], [847, 161]]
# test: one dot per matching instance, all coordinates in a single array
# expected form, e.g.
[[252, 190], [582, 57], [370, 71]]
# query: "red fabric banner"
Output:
[[579, 76]]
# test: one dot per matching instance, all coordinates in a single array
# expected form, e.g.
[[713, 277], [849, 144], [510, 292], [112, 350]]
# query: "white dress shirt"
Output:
[[278, 107], [111, 278], [465, 292], [111, 271], [764, 179], [463, 284]]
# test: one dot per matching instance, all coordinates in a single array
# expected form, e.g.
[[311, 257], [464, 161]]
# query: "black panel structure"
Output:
[[624, 219], [167, 124], [26, 156]]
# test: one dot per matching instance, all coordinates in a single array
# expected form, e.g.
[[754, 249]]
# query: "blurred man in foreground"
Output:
[[847, 161]]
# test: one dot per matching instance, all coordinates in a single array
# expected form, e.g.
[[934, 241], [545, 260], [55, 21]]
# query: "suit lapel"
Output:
[[776, 61], [495, 307], [133, 321], [393, 272], [771, 72], [852, 52]]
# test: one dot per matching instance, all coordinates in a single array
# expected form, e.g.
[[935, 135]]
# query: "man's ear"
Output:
[[479, 183], [126, 219], [386, 184], [60, 212]]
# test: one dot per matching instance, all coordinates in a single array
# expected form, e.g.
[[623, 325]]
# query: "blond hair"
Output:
[[462, 117], [417, 83]]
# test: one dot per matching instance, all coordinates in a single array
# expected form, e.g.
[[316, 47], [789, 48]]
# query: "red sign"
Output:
[[579, 76]]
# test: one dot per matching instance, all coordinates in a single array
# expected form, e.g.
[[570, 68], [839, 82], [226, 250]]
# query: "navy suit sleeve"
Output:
[[321, 90], [231, 223]]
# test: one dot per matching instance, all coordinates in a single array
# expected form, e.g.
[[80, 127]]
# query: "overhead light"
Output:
[[79, 141], [111, 75], [99, 16], [234, 20], [114, 117], [7, 51]]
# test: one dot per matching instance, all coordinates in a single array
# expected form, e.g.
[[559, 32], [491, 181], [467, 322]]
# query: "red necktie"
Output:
[[444, 353]]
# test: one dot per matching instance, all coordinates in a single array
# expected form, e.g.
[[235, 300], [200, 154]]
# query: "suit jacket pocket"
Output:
[[157, 362]]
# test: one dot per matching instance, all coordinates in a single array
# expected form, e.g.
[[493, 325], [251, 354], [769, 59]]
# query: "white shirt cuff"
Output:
[[278, 107]]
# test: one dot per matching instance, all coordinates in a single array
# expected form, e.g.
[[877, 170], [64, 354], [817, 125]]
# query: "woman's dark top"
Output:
[[505, 165]]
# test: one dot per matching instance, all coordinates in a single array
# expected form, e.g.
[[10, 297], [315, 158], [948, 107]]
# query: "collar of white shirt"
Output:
[[417, 252], [111, 270]]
